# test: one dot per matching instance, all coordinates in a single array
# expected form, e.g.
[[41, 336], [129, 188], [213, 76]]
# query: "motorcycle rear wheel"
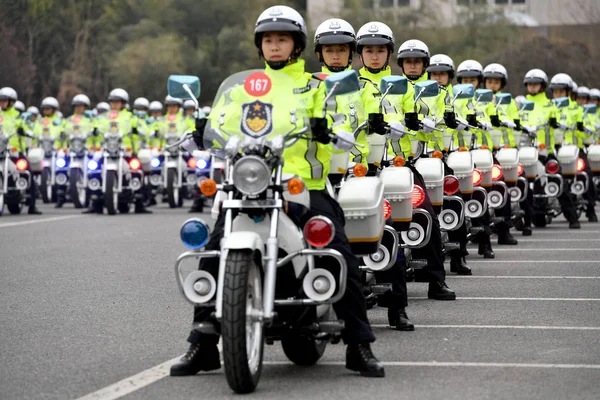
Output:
[[243, 341]]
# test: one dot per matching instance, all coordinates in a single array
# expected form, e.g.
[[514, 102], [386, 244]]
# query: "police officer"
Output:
[[9, 122], [280, 36]]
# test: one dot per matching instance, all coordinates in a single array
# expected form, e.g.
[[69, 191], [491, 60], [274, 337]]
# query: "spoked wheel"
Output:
[[1, 200], [242, 335], [46, 186], [77, 191], [111, 197], [173, 195]]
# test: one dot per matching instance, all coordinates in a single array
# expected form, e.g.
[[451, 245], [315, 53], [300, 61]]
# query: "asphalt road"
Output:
[[90, 306]]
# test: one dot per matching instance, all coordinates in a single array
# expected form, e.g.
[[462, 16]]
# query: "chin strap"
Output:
[[277, 65]]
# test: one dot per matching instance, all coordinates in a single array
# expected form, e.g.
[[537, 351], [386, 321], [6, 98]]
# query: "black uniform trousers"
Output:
[[590, 195], [566, 201], [351, 308]]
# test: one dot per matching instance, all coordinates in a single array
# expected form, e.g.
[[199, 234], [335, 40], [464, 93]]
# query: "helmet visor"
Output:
[[338, 38]]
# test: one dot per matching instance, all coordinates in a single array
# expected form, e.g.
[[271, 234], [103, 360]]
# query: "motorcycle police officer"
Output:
[[280, 36]]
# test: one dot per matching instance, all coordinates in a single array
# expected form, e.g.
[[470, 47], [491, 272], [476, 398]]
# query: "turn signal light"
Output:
[[437, 154], [192, 163], [552, 167], [208, 187], [484, 147], [135, 164], [295, 186], [477, 177], [451, 185], [580, 164], [520, 169], [22, 164], [399, 161], [542, 146], [463, 148], [506, 146], [418, 196], [319, 231], [359, 170], [496, 172], [387, 209]]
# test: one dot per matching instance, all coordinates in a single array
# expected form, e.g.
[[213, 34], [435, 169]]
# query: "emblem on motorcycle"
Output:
[[45, 122], [76, 130], [257, 119], [45, 132], [113, 114], [114, 127], [334, 25], [172, 128], [373, 28]]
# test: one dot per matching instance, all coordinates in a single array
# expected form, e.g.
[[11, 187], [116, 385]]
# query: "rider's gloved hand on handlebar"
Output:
[[377, 124], [95, 132], [553, 123], [518, 124], [580, 127], [462, 125], [427, 125], [198, 134], [343, 141], [486, 126], [495, 120], [397, 130], [411, 120], [450, 119], [321, 133], [509, 124], [20, 131]]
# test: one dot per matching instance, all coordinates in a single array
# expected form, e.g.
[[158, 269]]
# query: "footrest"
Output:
[[476, 229], [332, 326], [497, 220], [381, 288], [417, 264], [207, 328], [449, 246]]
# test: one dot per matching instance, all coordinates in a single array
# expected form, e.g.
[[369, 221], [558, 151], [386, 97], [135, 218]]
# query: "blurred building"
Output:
[[532, 13]]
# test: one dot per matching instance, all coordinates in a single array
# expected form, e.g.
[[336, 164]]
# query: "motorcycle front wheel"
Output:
[[242, 335], [111, 197], [77, 192]]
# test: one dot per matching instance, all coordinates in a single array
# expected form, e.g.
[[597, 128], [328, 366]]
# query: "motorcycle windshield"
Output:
[[246, 105]]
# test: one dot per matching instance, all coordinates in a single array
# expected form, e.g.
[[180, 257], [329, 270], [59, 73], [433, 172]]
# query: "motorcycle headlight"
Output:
[[251, 175]]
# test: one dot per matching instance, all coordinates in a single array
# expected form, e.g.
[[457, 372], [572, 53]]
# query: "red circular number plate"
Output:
[[171, 117], [45, 122], [257, 84], [76, 119], [113, 114]]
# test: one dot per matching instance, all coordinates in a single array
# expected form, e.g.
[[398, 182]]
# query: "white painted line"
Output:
[[39, 221], [514, 298], [534, 261], [521, 240], [538, 249], [455, 364], [541, 327], [132, 383], [520, 277]]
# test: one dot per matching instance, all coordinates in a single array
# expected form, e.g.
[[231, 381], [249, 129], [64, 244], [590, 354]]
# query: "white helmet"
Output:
[[413, 49], [81, 100], [189, 104], [155, 106], [8, 93], [118, 94], [595, 94], [34, 110], [375, 33], [574, 87], [496, 71], [335, 31], [170, 100], [536, 76], [561, 81], [102, 106], [441, 63], [19, 106], [281, 18], [206, 110], [49, 102], [141, 102], [583, 91], [469, 69]]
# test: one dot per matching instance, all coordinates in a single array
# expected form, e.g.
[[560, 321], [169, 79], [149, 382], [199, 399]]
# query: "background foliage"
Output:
[[65, 47]]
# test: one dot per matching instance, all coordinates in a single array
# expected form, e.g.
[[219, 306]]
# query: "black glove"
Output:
[[450, 120], [377, 124], [20, 131], [411, 121], [95, 132], [134, 131], [552, 122], [472, 120], [580, 127], [518, 124], [201, 124], [198, 134], [321, 134], [495, 120]]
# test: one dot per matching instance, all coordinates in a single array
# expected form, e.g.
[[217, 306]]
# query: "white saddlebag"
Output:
[[432, 170], [461, 163], [509, 161]]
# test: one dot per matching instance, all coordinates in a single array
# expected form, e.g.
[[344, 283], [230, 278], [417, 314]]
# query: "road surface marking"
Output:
[[520, 277], [541, 327], [534, 262], [514, 298], [536, 249], [39, 221]]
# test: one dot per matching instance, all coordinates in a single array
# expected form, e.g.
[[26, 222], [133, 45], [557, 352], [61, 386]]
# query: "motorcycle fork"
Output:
[[5, 175], [53, 170], [120, 174]]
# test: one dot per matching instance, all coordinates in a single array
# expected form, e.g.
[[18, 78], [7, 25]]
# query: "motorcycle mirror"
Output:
[[57, 122], [561, 102], [526, 105], [141, 114], [89, 114], [463, 91], [394, 84], [484, 95], [184, 87], [26, 116], [342, 83], [150, 120], [503, 99], [590, 108], [426, 89]]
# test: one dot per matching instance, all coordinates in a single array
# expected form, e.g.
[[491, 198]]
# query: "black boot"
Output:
[[359, 357], [574, 224], [592, 217], [485, 250], [59, 202], [199, 357], [140, 209], [504, 237], [197, 206], [527, 231], [459, 265], [440, 291], [34, 211], [398, 319]]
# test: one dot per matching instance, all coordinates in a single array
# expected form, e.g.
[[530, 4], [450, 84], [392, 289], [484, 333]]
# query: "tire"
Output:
[[15, 208], [76, 191], [124, 207], [1, 200], [243, 341], [302, 350], [111, 197], [46, 189], [539, 220], [173, 195]]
